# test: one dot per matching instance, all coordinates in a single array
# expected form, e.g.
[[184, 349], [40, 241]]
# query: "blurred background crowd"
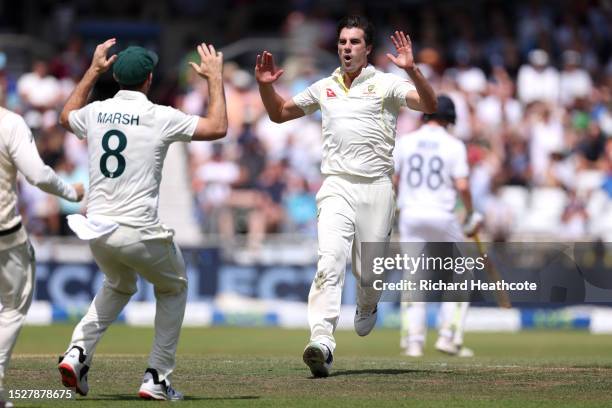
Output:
[[531, 81]]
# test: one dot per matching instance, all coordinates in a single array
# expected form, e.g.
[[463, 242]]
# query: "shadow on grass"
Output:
[[387, 371], [131, 397]]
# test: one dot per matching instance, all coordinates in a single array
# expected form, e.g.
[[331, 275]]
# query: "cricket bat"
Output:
[[503, 300]]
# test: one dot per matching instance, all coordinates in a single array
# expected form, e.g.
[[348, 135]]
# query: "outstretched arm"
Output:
[[266, 74], [424, 99], [214, 125], [99, 65], [25, 156]]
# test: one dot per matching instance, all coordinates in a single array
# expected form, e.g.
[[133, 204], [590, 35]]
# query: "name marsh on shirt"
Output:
[[117, 118]]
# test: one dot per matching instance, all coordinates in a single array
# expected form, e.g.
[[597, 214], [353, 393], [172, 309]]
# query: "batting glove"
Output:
[[472, 223]]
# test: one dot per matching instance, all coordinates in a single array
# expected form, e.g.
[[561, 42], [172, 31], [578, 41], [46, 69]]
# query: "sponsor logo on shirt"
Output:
[[330, 93], [370, 90]]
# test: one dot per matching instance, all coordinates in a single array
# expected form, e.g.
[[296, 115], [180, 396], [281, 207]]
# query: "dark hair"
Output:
[[136, 87], [445, 111], [357, 22]]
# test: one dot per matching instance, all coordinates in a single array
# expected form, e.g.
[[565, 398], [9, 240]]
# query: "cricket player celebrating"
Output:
[[431, 167], [17, 264], [128, 137], [355, 204]]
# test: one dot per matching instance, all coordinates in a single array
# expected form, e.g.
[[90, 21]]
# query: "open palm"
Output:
[[100, 62], [403, 46], [265, 70], [211, 61]]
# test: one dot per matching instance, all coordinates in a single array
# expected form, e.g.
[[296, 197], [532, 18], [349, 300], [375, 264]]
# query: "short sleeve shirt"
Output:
[[427, 162], [359, 122], [128, 138]]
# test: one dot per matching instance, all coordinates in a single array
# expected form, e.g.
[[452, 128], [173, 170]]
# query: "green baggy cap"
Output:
[[133, 65]]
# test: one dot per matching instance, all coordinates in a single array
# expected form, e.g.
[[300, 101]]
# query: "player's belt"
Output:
[[9, 231]]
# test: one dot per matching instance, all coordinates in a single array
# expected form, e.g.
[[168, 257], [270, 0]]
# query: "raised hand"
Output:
[[403, 46], [100, 63], [265, 70], [211, 62]]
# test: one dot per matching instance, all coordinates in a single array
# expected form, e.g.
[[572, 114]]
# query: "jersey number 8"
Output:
[[116, 153]]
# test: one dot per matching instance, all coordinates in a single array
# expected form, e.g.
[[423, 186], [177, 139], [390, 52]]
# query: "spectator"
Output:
[[245, 200], [300, 206], [517, 168], [213, 181], [469, 77], [562, 170], [498, 108], [4, 83], [574, 219], [607, 183], [575, 82], [592, 147], [529, 125], [39, 90], [537, 81], [272, 184], [39, 210], [499, 219], [484, 167], [72, 62], [545, 132]]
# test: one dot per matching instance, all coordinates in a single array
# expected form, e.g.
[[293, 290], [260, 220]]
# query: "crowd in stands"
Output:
[[533, 92]]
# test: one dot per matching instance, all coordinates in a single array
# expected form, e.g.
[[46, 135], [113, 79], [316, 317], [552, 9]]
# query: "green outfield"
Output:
[[263, 367]]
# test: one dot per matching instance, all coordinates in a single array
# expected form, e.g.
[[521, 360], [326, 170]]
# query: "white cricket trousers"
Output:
[[351, 210], [160, 262], [451, 322], [423, 225], [17, 268]]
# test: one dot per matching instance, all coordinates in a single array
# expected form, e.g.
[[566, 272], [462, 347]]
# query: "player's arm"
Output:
[[397, 165], [99, 65], [473, 219], [424, 98], [278, 108], [24, 155], [395, 181], [214, 125], [462, 185]]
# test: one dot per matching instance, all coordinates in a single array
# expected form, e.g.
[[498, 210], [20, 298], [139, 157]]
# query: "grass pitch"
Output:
[[263, 367]]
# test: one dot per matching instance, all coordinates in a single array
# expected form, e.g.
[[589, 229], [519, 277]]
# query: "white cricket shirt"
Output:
[[128, 137], [358, 122], [427, 161], [18, 153]]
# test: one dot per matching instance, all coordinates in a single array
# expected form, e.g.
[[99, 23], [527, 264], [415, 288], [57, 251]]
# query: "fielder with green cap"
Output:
[[133, 65], [128, 137]]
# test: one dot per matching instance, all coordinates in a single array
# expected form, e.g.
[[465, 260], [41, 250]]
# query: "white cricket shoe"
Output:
[[318, 358], [414, 349], [74, 371], [6, 404], [447, 346], [153, 389], [365, 320]]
